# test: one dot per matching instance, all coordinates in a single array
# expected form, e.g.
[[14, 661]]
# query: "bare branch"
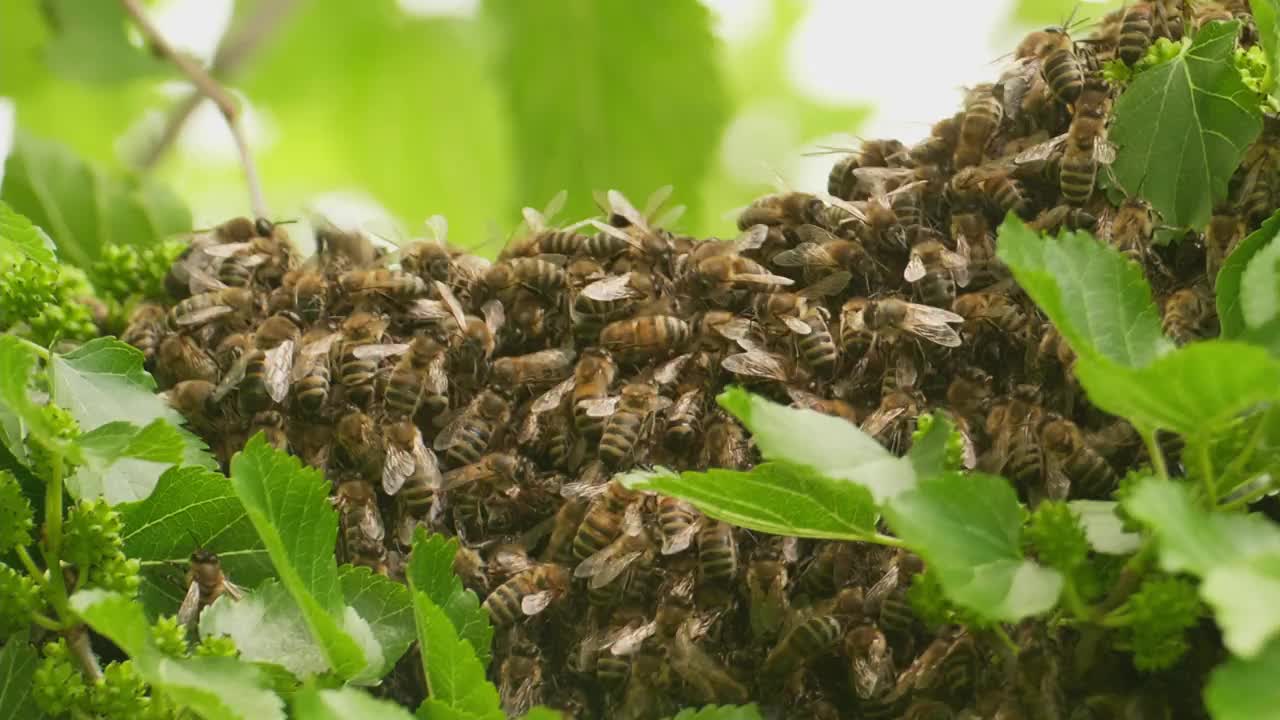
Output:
[[208, 87]]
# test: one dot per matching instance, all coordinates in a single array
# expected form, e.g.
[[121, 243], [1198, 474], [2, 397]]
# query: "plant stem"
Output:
[[210, 88], [33, 570], [886, 540], [1005, 639], [1206, 473], [46, 622], [40, 350], [1075, 603], [1157, 456], [53, 541], [78, 643]]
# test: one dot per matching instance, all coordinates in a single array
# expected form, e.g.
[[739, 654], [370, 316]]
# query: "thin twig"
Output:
[[210, 88], [78, 642]]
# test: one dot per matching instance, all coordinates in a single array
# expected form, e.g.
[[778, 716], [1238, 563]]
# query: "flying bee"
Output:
[[644, 338], [893, 421], [534, 371], [468, 434], [789, 208], [146, 328], [717, 553], [361, 531], [1072, 465], [593, 376], [206, 582], [1189, 314], [629, 422], [536, 274], [891, 318], [418, 381], [527, 594], [179, 357], [983, 114], [232, 306], [407, 457], [936, 271]]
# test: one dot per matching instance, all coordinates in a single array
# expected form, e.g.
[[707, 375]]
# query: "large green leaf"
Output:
[[267, 627], [968, 528], [122, 462], [598, 107], [1246, 689], [719, 712], [1098, 299], [1228, 287], [289, 506], [1266, 15], [1260, 287], [84, 208], [345, 704], [776, 497], [216, 688], [830, 445], [17, 666], [90, 44], [1182, 127], [19, 237], [190, 507], [431, 571], [455, 677]]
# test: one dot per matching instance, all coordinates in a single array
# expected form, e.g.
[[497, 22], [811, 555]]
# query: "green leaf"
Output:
[[84, 208], [1185, 391], [212, 687], [123, 462], [289, 506], [90, 44], [928, 453], [1104, 528], [384, 604], [1098, 299], [1244, 595], [267, 627], [345, 704], [1181, 128], [1228, 288], [830, 445], [431, 571], [562, 67], [19, 237], [1242, 689], [1260, 286], [1266, 16], [777, 497], [968, 528], [17, 667], [190, 506], [720, 712], [18, 361], [543, 713], [455, 676]]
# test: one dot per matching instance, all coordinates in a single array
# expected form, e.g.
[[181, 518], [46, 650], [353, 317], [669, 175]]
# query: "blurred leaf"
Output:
[[1246, 689], [1182, 127], [17, 363], [1055, 12], [18, 662], [599, 107], [122, 462], [931, 451], [83, 208], [968, 529], [90, 43], [344, 704], [431, 571], [1260, 286], [267, 627], [190, 506], [19, 237], [1104, 528], [1230, 309], [1266, 15]]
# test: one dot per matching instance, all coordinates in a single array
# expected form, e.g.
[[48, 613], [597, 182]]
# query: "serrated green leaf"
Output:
[[968, 528], [1260, 286], [431, 571], [17, 666], [122, 462], [1266, 16], [777, 497], [1104, 528], [1181, 128], [455, 676], [830, 445], [83, 208], [1228, 286], [267, 627], [212, 687], [580, 128], [289, 506], [1186, 390], [345, 704], [1242, 689], [190, 507], [720, 712], [20, 238], [90, 44], [384, 604], [1098, 299]]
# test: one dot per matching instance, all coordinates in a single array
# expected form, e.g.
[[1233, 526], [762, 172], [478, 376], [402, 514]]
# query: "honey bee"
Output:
[[310, 375], [407, 457], [806, 641], [1086, 144], [593, 376], [194, 400], [179, 357], [834, 407], [891, 318], [1129, 229], [987, 311], [779, 310], [611, 296], [535, 274], [205, 582], [820, 254], [644, 338], [382, 282], [262, 373], [535, 370], [146, 328], [1013, 424], [994, 184], [527, 594], [609, 562], [361, 531], [726, 444], [490, 469], [230, 305], [938, 148], [678, 523], [1135, 33], [1189, 314], [468, 435], [1061, 68], [766, 580], [936, 271], [1055, 218], [706, 677], [818, 347], [789, 208], [841, 181], [360, 353], [717, 553], [1072, 465], [520, 679], [357, 445], [983, 114], [271, 424], [1224, 233], [970, 393], [758, 364], [604, 521], [893, 421], [427, 260], [417, 381], [871, 670]]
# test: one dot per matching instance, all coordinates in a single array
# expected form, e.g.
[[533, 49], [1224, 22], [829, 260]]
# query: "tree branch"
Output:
[[208, 87]]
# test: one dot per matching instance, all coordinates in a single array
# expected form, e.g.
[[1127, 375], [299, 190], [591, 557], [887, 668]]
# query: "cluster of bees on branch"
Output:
[[494, 400]]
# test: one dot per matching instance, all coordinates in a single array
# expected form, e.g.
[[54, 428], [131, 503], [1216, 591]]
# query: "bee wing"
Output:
[[599, 407], [1057, 483], [203, 315], [845, 205], [397, 466], [451, 302], [614, 287], [510, 562], [669, 217], [877, 421], [232, 590], [495, 316], [752, 238], [763, 279], [371, 525], [226, 250], [232, 379], [678, 542], [619, 204], [802, 397], [668, 372], [378, 351], [958, 264], [607, 566], [796, 325], [657, 199], [448, 434], [321, 346], [279, 368], [550, 399], [833, 284], [756, 363], [533, 219], [915, 269], [804, 254], [534, 603], [555, 205], [929, 315], [943, 335], [627, 640], [438, 228], [1040, 152], [437, 380], [189, 610], [1103, 151], [528, 429], [582, 489]]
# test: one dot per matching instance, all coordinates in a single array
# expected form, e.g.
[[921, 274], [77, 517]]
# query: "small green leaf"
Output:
[[1182, 127], [1098, 299], [777, 497], [830, 445], [384, 604], [455, 676], [289, 506], [968, 528], [17, 666], [90, 45], [720, 712], [212, 687], [1266, 16], [431, 571], [1244, 595], [1260, 286], [1228, 287], [122, 462], [17, 363], [1104, 528], [928, 453], [1242, 689], [345, 704], [20, 238], [267, 627]]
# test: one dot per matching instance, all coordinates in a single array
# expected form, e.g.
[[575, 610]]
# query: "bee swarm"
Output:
[[493, 401]]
